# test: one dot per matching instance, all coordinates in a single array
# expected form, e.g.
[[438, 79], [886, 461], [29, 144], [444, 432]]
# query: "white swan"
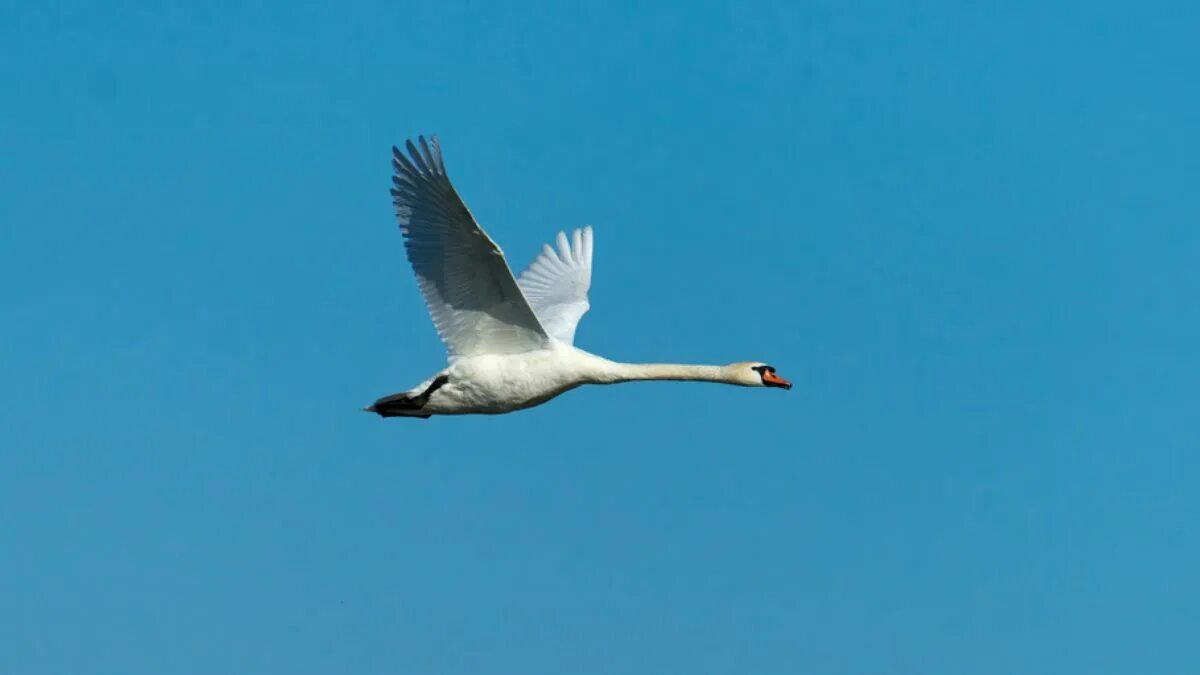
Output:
[[509, 340]]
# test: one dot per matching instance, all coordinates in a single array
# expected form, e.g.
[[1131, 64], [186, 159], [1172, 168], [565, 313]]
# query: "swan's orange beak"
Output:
[[770, 379]]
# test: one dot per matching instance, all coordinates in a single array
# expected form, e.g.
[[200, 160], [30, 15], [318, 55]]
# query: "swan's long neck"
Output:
[[611, 372]]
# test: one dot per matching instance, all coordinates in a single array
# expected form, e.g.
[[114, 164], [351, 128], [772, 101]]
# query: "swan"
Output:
[[509, 340]]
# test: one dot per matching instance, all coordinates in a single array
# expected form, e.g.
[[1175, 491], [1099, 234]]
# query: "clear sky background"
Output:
[[968, 235]]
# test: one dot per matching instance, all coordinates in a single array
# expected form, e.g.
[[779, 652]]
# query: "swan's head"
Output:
[[758, 374]]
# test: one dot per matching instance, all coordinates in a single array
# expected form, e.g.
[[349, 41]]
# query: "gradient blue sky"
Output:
[[968, 234]]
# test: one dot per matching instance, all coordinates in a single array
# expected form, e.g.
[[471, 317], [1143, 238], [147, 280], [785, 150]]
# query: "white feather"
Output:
[[467, 284], [556, 284]]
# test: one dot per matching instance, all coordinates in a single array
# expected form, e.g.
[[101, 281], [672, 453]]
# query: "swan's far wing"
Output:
[[469, 289], [556, 283]]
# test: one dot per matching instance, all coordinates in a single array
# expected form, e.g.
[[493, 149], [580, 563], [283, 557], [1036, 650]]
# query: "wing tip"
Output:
[[422, 158]]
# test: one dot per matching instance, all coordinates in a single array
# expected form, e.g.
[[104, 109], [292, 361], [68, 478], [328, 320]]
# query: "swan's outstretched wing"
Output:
[[472, 296], [556, 283]]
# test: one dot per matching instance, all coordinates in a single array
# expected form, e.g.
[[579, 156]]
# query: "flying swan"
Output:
[[509, 340]]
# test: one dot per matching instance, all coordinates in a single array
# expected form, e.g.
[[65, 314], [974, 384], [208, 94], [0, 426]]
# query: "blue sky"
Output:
[[968, 235]]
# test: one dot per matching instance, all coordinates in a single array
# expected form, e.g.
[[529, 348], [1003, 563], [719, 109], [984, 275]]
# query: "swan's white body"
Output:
[[493, 383], [510, 340]]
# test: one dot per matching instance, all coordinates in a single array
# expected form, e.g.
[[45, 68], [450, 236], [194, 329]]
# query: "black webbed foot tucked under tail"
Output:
[[406, 405], [397, 405]]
